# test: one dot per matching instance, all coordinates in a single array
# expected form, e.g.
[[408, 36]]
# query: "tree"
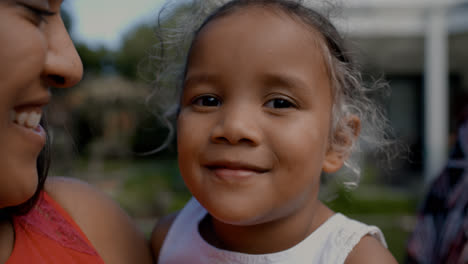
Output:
[[135, 50], [96, 61]]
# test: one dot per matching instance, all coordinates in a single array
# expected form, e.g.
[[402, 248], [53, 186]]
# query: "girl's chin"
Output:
[[242, 214], [239, 219]]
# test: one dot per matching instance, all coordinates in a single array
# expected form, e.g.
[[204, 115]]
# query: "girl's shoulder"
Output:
[[109, 229], [160, 232], [370, 250], [356, 242]]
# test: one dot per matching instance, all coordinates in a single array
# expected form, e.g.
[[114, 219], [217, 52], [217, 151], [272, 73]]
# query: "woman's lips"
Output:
[[36, 136], [27, 119]]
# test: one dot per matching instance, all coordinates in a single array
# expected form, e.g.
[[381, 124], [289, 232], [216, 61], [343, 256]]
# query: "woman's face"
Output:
[[36, 53]]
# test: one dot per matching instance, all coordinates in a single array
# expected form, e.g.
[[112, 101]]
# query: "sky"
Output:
[[103, 22]]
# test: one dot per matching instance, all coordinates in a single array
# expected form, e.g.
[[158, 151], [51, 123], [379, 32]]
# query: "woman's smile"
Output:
[[27, 126], [25, 118]]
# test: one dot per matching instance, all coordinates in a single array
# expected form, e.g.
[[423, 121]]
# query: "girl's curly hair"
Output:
[[179, 23]]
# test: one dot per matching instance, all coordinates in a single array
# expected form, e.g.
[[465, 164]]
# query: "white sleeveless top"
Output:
[[330, 243]]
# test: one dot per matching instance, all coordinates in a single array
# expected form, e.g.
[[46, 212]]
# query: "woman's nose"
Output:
[[237, 125], [63, 67]]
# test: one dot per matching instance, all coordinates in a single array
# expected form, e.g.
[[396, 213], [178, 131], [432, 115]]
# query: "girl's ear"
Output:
[[342, 141]]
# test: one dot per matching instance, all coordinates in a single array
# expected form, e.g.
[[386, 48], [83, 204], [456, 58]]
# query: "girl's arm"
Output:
[[109, 229], [159, 233], [369, 250]]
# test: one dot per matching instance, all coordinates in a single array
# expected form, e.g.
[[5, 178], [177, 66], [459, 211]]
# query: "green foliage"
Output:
[[396, 238], [134, 57], [135, 50], [128, 61], [95, 60], [152, 188], [372, 200]]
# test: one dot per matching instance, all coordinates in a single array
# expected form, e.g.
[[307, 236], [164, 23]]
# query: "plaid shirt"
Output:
[[441, 232]]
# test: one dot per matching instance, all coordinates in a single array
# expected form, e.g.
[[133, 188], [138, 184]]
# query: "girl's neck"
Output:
[[7, 239], [264, 238]]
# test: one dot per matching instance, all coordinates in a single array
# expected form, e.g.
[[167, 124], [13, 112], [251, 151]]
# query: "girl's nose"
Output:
[[63, 67], [237, 125]]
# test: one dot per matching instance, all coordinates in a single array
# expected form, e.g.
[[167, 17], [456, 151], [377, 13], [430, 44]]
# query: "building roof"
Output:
[[399, 17]]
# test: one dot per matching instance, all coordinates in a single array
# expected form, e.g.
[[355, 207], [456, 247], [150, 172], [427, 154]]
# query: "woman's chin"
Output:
[[19, 193]]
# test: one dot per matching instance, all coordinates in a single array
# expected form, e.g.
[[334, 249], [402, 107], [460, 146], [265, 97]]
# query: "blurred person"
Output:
[[270, 100], [441, 232], [56, 220]]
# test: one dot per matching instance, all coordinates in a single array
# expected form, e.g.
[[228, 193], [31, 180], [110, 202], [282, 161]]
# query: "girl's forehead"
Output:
[[258, 13], [255, 45], [258, 28]]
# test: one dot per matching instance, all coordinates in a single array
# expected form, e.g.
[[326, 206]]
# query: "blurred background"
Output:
[[101, 128]]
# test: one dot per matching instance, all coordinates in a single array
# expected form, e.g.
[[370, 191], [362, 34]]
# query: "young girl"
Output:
[[55, 220], [270, 100]]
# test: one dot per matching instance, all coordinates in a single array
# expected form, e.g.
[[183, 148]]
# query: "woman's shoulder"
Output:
[[109, 229]]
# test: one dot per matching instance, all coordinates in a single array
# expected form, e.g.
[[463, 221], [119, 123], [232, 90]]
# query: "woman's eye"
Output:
[[207, 100], [39, 15], [279, 103]]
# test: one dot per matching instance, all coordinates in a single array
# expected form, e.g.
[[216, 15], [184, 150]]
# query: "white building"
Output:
[[421, 48]]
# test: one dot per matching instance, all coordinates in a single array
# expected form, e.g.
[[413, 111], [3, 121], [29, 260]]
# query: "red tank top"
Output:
[[47, 234]]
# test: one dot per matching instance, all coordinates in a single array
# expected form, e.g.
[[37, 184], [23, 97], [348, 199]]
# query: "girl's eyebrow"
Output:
[[270, 79], [284, 80], [194, 79]]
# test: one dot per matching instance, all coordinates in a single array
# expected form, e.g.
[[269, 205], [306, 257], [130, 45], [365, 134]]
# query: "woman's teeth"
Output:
[[26, 119]]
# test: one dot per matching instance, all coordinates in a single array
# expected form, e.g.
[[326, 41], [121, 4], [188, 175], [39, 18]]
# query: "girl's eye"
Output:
[[207, 101], [279, 103], [39, 16]]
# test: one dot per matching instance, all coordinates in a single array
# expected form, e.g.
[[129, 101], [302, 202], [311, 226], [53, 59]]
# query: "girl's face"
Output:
[[255, 117], [35, 53]]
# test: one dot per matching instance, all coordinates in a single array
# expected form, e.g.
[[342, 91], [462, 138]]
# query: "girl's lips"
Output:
[[233, 173], [235, 165]]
